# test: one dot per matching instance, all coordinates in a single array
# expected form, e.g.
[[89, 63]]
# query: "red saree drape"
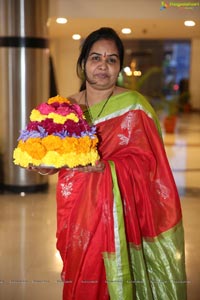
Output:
[[119, 232]]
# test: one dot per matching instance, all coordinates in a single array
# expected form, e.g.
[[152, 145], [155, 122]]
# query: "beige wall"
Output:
[[64, 53]]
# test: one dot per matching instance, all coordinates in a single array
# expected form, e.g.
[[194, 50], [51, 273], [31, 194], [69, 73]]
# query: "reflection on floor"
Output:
[[29, 264], [183, 150]]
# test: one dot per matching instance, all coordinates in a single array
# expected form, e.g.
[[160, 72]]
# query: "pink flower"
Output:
[[63, 111], [45, 108], [78, 110]]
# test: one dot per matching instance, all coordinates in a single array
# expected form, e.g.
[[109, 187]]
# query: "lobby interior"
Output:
[[30, 264]]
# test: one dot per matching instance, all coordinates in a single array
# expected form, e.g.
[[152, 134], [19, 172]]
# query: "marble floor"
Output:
[[29, 263]]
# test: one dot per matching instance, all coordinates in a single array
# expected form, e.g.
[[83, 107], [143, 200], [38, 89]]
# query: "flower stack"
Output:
[[57, 135]]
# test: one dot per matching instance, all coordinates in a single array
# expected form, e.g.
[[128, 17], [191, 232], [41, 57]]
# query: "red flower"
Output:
[[51, 127], [33, 126], [72, 127]]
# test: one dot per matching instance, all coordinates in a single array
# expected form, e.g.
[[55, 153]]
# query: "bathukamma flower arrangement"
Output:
[[57, 135]]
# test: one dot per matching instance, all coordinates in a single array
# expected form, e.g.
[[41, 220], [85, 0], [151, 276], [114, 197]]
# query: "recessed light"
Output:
[[137, 73], [189, 23], [128, 71], [126, 30], [76, 36], [61, 20]]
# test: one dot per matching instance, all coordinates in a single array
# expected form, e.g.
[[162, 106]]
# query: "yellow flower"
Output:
[[71, 159], [21, 158], [37, 116], [57, 118], [62, 119], [52, 158], [94, 156], [73, 117]]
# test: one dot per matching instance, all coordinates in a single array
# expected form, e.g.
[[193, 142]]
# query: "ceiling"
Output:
[[146, 18]]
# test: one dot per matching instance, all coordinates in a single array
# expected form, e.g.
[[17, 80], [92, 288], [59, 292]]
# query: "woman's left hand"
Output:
[[99, 167]]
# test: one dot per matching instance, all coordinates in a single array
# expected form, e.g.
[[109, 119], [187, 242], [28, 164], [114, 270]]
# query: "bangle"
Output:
[[43, 173]]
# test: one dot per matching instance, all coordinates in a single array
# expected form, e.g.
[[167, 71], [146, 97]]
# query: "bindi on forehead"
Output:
[[104, 55]]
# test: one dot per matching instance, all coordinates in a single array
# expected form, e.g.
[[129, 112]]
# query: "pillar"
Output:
[[24, 82]]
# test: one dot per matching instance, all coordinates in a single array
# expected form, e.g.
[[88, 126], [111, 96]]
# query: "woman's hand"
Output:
[[42, 170], [99, 167]]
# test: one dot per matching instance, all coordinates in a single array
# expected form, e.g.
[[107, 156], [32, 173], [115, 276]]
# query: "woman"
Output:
[[120, 229]]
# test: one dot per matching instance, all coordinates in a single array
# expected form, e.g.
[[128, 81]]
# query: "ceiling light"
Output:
[[137, 73], [128, 71], [61, 20], [76, 36], [189, 23], [126, 30]]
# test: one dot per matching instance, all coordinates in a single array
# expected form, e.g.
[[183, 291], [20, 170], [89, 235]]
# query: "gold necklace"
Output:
[[102, 109]]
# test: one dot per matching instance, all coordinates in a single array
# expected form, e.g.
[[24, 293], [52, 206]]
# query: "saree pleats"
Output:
[[120, 232]]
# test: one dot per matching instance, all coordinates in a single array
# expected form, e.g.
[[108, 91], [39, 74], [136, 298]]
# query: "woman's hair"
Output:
[[104, 33]]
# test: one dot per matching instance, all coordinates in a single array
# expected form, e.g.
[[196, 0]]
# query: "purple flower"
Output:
[[26, 134]]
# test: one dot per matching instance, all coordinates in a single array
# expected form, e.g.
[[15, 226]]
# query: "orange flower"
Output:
[[84, 144], [51, 142], [21, 145], [94, 142], [70, 144], [34, 148], [58, 99]]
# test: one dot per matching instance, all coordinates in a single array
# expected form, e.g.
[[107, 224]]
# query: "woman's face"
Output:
[[103, 65]]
